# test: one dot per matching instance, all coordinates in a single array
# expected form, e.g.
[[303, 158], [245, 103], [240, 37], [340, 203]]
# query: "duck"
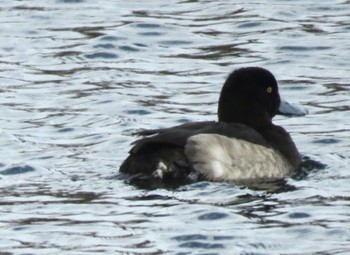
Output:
[[242, 145]]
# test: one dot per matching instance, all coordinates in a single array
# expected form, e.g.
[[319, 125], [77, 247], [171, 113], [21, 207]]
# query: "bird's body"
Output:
[[243, 145]]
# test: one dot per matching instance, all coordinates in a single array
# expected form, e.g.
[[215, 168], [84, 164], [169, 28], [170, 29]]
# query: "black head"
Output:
[[249, 96]]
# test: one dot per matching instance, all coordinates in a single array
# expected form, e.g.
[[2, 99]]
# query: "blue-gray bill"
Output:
[[291, 109]]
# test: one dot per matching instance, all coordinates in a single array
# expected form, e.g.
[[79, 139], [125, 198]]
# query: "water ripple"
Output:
[[79, 77]]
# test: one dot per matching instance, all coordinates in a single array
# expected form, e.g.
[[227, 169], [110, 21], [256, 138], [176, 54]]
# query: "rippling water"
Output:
[[78, 76]]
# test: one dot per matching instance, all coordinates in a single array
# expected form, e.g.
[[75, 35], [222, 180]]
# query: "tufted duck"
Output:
[[243, 145]]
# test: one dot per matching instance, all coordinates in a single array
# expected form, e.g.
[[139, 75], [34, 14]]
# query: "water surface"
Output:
[[78, 77]]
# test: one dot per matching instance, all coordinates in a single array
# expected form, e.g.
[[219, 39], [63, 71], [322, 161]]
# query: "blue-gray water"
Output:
[[78, 76]]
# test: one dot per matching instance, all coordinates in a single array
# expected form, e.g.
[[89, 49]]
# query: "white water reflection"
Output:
[[78, 77]]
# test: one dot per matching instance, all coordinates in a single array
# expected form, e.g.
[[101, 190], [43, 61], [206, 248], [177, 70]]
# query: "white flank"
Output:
[[220, 158]]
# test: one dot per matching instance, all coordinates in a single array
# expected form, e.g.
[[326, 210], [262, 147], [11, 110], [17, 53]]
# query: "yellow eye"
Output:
[[269, 90]]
